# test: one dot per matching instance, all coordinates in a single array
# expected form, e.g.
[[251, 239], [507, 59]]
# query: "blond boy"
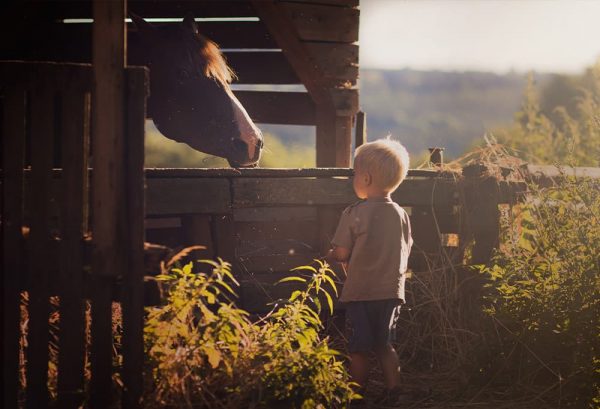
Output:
[[373, 237]]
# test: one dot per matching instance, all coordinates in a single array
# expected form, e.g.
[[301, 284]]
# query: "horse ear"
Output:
[[140, 23], [190, 24]]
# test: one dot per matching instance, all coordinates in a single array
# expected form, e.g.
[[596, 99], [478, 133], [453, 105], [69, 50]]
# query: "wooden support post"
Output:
[[13, 157], [481, 213], [108, 261], [74, 203], [133, 230]]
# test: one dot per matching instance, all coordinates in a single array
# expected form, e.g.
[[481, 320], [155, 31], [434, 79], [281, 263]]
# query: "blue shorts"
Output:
[[371, 324]]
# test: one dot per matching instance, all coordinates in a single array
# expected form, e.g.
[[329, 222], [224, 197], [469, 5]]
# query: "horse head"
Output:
[[190, 97]]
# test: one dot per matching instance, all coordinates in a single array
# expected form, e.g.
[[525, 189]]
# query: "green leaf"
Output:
[[329, 301], [287, 279], [332, 283], [213, 355], [295, 295], [310, 268]]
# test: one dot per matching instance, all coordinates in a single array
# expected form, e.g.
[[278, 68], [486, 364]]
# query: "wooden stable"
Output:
[[309, 42]]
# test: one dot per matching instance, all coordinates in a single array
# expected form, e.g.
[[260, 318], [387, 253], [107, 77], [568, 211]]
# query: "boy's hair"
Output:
[[386, 160]]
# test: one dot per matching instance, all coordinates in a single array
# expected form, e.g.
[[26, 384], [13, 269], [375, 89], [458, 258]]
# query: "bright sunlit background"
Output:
[[488, 35]]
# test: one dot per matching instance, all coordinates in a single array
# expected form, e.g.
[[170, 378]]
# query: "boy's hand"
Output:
[[340, 254]]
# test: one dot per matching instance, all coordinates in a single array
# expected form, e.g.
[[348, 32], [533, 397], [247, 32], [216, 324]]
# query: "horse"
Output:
[[191, 100]]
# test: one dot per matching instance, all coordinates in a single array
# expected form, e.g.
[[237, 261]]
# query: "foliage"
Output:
[[206, 352], [544, 292], [543, 133]]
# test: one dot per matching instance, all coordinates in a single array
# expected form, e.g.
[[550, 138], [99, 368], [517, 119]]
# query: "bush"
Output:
[[544, 293], [205, 352]]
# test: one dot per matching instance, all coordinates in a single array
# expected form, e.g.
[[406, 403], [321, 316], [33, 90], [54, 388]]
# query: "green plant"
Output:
[[206, 352], [544, 292], [566, 134]]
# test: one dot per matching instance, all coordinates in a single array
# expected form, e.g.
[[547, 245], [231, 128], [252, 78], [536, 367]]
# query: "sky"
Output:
[[488, 35]]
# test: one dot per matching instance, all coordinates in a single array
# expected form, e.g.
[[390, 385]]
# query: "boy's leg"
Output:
[[390, 365], [359, 368]]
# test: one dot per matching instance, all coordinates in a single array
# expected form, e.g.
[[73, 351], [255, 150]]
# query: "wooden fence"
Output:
[[267, 221], [44, 106]]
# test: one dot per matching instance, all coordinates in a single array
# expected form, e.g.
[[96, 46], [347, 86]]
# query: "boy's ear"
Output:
[[368, 178]]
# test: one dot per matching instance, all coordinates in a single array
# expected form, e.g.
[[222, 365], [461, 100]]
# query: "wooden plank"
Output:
[[551, 171], [74, 202], [261, 67], [109, 37], [42, 137], [276, 214], [272, 67], [187, 196], [290, 108], [316, 22], [252, 192], [250, 172], [157, 8], [300, 231], [13, 156], [133, 229], [25, 74], [154, 173]]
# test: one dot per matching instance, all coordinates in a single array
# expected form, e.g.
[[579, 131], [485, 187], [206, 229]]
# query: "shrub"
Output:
[[544, 293], [206, 352]]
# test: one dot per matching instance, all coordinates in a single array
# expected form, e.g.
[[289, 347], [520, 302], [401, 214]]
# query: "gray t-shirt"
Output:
[[377, 232]]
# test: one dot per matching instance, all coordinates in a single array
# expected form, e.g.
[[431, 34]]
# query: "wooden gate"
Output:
[[45, 106]]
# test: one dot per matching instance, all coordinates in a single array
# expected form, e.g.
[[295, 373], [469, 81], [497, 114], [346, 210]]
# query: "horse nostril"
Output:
[[260, 144], [239, 145]]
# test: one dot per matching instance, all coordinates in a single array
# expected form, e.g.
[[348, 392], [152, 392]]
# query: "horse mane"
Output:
[[216, 66]]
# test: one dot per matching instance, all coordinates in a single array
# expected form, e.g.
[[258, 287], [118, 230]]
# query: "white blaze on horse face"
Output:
[[249, 133]]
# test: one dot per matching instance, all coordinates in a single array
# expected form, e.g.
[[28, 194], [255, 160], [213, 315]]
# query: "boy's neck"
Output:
[[379, 195]]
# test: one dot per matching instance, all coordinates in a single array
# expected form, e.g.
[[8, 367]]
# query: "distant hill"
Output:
[[431, 108], [449, 109]]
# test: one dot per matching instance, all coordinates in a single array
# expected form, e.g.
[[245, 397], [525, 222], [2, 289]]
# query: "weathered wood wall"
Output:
[[313, 43]]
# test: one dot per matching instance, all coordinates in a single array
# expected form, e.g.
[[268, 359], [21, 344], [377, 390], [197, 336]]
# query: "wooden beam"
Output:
[[132, 228], [109, 39], [282, 30]]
